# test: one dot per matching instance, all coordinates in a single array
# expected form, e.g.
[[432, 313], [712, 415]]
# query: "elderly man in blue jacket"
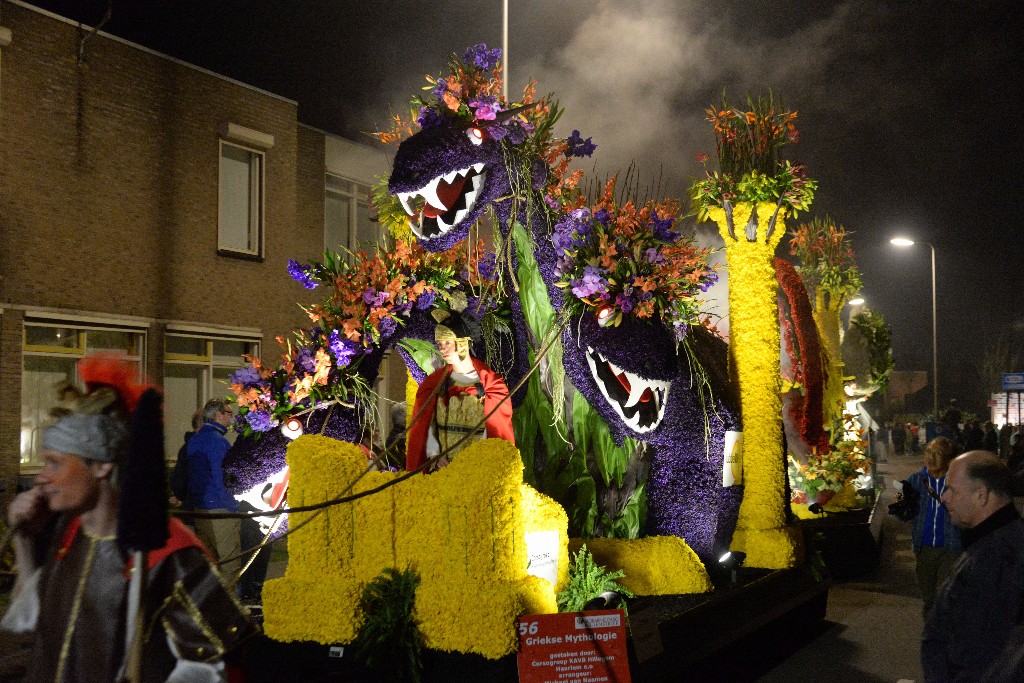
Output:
[[206, 489]]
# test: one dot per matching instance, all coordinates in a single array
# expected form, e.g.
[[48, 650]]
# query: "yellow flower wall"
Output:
[[654, 565], [754, 352], [462, 529]]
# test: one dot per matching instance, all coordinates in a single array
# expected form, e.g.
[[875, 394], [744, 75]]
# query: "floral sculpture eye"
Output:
[[475, 135]]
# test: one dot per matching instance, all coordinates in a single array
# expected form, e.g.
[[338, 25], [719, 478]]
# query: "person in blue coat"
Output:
[[936, 541], [206, 489]]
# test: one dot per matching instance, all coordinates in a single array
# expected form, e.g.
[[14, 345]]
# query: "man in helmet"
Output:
[[72, 593]]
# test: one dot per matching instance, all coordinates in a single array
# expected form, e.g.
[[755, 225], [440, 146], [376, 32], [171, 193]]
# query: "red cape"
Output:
[[498, 425]]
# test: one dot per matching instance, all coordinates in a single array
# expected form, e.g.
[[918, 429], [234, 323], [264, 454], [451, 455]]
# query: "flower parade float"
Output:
[[628, 433]]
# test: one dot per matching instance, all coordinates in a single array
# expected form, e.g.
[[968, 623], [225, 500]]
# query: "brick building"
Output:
[[149, 207]]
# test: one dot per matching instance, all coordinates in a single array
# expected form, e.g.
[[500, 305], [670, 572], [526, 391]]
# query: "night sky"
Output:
[[909, 115]]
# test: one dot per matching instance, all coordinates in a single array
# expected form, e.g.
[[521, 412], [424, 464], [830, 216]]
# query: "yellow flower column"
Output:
[[751, 233], [826, 317]]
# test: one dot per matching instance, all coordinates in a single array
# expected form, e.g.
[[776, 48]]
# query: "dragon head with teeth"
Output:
[[473, 149], [625, 372], [444, 181]]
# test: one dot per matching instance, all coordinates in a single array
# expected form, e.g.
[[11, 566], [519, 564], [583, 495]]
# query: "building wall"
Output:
[[109, 196]]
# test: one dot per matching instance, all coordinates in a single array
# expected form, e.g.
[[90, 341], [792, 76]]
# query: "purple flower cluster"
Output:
[[301, 274], [482, 58], [515, 131], [371, 297], [343, 349], [429, 117], [487, 265], [305, 358], [569, 233], [425, 300], [485, 108], [578, 147], [708, 281], [592, 282], [630, 297], [248, 377], [662, 228], [260, 420]]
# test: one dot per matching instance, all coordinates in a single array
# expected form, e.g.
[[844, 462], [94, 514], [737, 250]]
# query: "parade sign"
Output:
[[1013, 381], [576, 647]]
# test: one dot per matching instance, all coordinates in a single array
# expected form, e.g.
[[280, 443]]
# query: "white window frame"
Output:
[[257, 203], [357, 193]]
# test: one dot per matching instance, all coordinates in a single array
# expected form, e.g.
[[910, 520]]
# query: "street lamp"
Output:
[[904, 242]]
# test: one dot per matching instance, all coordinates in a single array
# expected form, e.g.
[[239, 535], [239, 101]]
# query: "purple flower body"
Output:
[[591, 283], [260, 420], [424, 300], [344, 349], [372, 297], [305, 359], [487, 265], [578, 147], [301, 274], [428, 118], [482, 58], [247, 377], [663, 228], [654, 256], [485, 108]]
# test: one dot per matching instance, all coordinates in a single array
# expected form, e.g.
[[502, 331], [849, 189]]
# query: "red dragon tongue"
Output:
[[647, 395], [448, 193]]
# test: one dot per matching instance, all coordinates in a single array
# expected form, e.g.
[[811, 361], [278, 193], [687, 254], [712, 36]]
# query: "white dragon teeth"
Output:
[[429, 194], [637, 386], [404, 198], [459, 215]]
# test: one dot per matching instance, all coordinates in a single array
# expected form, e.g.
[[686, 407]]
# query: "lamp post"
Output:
[[904, 242]]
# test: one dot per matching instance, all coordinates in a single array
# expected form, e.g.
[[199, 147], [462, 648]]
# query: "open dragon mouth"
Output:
[[639, 401], [446, 201]]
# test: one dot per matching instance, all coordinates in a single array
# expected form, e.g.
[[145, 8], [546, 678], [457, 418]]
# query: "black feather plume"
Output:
[[142, 513]]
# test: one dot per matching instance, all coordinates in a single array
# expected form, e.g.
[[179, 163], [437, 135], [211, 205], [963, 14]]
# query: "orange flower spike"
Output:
[[322, 367], [351, 328]]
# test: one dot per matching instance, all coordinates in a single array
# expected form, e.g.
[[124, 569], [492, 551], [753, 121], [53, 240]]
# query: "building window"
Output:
[[51, 352], [240, 215], [347, 223], [197, 368]]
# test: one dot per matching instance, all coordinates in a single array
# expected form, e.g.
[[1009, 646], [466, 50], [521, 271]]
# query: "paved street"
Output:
[[873, 623]]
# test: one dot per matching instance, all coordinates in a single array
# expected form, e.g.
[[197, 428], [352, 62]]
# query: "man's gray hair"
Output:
[[212, 407]]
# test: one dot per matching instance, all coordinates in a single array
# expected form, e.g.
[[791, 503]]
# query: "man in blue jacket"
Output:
[[206, 489]]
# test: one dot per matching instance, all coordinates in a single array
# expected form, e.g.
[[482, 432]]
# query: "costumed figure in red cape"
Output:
[[453, 402], [109, 588]]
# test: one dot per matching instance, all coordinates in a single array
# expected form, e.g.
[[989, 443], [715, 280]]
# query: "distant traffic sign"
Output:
[[1013, 381]]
